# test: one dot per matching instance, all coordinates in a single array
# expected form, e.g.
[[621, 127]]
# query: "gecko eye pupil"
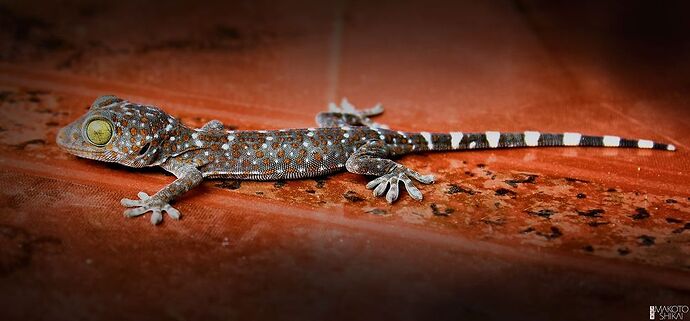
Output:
[[99, 132]]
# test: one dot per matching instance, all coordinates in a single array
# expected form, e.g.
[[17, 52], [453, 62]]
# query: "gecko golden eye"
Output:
[[99, 131]]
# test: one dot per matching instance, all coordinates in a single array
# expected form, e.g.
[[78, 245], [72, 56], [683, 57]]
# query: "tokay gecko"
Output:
[[135, 135]]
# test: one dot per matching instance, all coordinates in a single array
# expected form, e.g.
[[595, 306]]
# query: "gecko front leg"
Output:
[[187, 178]]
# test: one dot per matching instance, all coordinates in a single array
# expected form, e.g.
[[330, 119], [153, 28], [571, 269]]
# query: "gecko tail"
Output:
[[494, 139]]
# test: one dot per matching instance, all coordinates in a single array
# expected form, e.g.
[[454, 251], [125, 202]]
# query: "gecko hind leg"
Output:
[[347, 115], [372, 159], [213, 125], [347, 108]]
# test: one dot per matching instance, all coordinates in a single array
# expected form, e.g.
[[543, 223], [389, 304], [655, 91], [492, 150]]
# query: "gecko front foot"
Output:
[[147, 203], [391, 180]]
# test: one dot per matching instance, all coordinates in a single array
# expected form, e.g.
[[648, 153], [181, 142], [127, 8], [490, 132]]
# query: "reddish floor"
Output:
[[520, 234]]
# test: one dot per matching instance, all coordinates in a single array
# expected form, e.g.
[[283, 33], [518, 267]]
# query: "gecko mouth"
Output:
[[92, 154]]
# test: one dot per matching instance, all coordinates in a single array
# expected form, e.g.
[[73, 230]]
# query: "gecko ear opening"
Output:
[[104, 100], [144, 149]]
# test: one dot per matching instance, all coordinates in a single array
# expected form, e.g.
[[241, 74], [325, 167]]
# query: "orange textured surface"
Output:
[[522, 234]]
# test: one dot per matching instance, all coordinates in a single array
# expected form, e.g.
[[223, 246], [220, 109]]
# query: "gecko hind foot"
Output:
[[346, 107], [391, 180], [147, 203]]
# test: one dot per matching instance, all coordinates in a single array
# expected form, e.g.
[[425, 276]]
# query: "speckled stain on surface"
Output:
[[576, 229]]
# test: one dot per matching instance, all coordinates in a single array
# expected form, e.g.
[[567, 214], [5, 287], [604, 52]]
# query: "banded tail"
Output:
[[493, 139]]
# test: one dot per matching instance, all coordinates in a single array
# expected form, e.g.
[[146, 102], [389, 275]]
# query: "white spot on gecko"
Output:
[[427, 137], [455, 138], [643, 143], [492, 137], [612, 141], [571, 139], [532, 138]]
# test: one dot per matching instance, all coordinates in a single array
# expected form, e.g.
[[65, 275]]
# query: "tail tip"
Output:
[[671, 147]]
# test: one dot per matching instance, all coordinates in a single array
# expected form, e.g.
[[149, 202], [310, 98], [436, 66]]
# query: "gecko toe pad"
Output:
[[391, 182], [146, 203]]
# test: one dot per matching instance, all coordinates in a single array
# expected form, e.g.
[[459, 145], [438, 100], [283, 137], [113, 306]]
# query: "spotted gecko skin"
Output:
[[135, 135]]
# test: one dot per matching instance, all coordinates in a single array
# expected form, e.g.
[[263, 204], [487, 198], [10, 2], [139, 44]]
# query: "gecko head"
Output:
[[115, 130]]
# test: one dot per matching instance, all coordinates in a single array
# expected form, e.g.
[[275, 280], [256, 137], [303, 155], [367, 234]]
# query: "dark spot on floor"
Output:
[[259, 193], [504, 191], [530, 179], [19, 247], [673, 220], [279, 184], [591, 213], [4, 94], [640, 214], [36, 92], [553, 234], [646, 240], [612, 190], [680, 230], [575, 180], [588, 248], [527, 230], [310, 191], [378, 211], [468, 173], [597, 223], [454, 189], [480, 165], [229, 184], [320, 182], [493, 220], [623, 251], [581, 195], [227, 32], [543, 213], [23, 145], [352, 196], [441, 212], [671, 201]]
